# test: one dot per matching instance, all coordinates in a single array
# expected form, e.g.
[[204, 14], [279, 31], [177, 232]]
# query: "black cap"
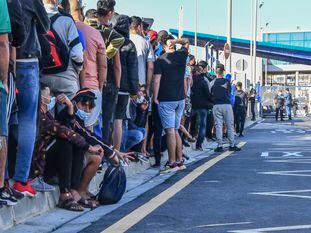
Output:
[[220, 67], [104, 6], [86, 94]]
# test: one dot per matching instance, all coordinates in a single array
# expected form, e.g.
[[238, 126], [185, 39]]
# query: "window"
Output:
[[297, 43], [271, 37], [241, 65], [297, 36], [308, 36], [283, 37]]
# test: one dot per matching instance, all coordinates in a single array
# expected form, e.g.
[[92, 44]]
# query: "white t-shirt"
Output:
[[145, 54]]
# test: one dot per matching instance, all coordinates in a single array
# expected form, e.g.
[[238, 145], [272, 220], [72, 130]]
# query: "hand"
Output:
[[126, 157], [63, 99]]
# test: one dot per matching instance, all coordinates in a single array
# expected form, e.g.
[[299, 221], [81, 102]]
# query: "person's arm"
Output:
[[183, 42], [156, 87], [150, 67], [4, 59], [117, 68], [43, 21], [75, 46], [102, 70], [150, 71], [132, 64]]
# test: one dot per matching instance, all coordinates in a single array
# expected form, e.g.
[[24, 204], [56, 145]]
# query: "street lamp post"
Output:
[[196, 29], [229, 35], [255, 40]]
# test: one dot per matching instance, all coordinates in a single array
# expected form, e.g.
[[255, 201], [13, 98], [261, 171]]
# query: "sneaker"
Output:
[[219, 149], [27, 189], [40, 186], [186, 157], [234, 148], [13, 192], [241, 135], [169, 168], [6, 197], [186, 144], [181, 165], [156, 165]]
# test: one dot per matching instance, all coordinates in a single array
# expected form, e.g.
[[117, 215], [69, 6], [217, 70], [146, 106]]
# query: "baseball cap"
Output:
[[153, 35], [86, 94], [220, 67]]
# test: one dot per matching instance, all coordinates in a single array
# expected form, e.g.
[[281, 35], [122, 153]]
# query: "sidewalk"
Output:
[[39, 215]]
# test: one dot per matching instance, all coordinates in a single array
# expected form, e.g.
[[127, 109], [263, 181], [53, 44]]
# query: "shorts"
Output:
[[121, 107], [3, 112], [96, 111], [171, 113]]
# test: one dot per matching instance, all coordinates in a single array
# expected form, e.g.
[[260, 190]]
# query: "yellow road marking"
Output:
[[140, 213]]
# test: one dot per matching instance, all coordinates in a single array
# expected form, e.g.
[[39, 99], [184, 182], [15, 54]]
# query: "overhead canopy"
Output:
[[293, 54]]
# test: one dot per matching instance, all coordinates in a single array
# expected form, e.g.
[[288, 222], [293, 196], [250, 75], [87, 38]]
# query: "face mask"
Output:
[[83, 115], [52, 104]]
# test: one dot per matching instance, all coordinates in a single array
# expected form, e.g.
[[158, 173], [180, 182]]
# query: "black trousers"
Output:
[[209, 124], [66, 160], [158, 130], [110, 99], [239, 120], [253, 109], [279, 111]]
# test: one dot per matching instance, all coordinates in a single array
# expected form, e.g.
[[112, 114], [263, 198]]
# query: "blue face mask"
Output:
[[83, 115], [52, 104]]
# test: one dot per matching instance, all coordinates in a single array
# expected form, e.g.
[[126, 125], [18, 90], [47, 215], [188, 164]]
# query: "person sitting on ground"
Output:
[[240, 109], [69, 158]]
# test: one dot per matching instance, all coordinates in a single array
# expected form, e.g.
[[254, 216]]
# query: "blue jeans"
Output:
[[289, 111], [202, 114], [27, 83], [132, 137]]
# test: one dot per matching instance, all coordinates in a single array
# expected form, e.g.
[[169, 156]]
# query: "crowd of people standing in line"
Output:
[[78, 89]]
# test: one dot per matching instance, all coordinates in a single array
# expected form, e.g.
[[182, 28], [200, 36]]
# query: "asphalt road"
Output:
[[264, 188]]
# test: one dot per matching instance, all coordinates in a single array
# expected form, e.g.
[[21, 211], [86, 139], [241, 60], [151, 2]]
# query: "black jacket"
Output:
[[128, 56], [36, 22], [201, 97], [17, 23]]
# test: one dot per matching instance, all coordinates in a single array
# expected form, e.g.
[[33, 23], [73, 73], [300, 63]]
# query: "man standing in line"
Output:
[[94, 73], [279, 102], [36, 23], [288, 103], [145, 54], [113, 41], [222, 109], [240, 109], [169, 94], [5, 27]]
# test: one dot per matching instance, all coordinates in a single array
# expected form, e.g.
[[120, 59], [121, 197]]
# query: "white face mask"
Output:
[[140, 100]]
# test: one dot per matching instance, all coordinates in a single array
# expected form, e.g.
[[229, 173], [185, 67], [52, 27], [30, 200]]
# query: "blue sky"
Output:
[[282, 15]]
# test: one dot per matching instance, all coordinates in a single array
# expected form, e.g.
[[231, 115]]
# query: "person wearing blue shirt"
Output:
[[288, 103]]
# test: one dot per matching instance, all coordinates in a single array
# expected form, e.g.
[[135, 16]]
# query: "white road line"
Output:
[[147, 208], [272, 229], [284, 193], [265, 154], [222, 224], [288, 173]]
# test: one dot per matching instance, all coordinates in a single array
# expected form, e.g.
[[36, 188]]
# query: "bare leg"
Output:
[[88, 174], [171, 144], [117, 134], [3, 157], [179, 147]]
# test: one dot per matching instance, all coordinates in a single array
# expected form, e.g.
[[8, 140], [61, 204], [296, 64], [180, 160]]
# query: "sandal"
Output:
[[71, 204], [87, 203]]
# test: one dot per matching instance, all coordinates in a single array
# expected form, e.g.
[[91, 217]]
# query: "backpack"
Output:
[[54, 52], [113, 186]]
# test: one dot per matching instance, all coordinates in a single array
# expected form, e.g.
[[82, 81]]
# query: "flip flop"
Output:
[[71, 204]]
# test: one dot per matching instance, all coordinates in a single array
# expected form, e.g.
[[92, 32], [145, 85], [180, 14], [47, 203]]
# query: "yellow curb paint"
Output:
[[140, 213]]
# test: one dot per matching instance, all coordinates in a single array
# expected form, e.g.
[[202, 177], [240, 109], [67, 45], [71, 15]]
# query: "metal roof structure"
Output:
[[293, 54]]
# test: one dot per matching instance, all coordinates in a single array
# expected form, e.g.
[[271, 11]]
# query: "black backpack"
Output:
[[54, 52], [113, 186]]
